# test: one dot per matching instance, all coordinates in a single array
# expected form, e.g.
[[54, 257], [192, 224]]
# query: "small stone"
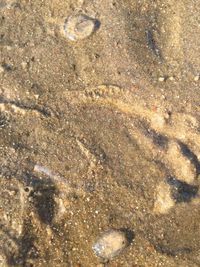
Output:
[[171, 78], [161, 79], [196, 78], [1, 69], [111, 243], [80, 26], [24, 65], [36, 96]]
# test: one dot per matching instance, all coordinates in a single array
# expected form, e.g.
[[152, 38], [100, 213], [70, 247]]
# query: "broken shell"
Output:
[[80, 26], [111, 243]]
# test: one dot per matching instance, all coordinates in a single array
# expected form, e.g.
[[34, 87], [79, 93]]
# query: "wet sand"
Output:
[[100, 133]]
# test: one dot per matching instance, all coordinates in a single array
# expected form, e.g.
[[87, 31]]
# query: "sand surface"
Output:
[[100, 133]]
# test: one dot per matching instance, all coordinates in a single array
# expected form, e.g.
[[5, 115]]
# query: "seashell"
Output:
[[111, 243], [80, 26]]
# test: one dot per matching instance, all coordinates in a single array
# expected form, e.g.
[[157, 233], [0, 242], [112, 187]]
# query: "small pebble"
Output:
[[1, 69], [171, 78], [196, 78], [161, 79], [111, 243], [80, 26], [24, 65]]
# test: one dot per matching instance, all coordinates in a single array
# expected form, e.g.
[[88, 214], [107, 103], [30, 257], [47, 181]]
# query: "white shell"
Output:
[[80, 26], [111, 243]]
